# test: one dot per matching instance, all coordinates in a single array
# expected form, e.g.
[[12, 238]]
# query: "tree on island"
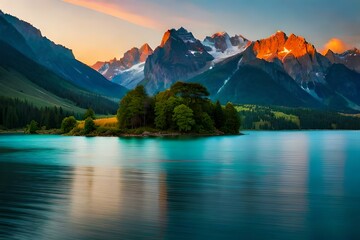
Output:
[[89, 125], [219, 116], [190, 92], [184, 107], [136, 109], [164, 110], [232, 120], [89, 113], [183, 117], [68, 124]]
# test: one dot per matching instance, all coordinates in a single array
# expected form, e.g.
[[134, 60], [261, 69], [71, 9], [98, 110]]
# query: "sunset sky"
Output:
[[104, 29]]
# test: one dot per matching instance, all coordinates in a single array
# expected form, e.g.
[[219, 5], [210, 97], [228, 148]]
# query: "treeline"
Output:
[[15, 113], [185, 107], [83, 100], [284, 118], [313, 119]]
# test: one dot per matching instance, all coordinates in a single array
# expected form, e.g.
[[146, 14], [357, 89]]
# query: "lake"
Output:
[[261, 185]]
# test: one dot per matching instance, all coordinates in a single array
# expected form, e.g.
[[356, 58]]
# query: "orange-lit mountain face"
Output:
[[145, 51], [298, 57], [281, 46]]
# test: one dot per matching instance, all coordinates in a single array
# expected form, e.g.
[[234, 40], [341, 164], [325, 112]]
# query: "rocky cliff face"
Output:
[[128, 71], [221, 46], [349, 58], [221, 42], [178, 57]]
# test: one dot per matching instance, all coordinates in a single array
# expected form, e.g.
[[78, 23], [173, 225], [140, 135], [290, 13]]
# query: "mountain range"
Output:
[[35, 69], [282, 70]]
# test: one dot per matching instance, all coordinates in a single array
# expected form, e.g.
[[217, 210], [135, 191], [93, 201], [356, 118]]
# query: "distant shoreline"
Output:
[[144, 134]]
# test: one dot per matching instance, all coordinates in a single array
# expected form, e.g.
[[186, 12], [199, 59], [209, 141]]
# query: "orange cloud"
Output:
[[116, 11], [336, 45]]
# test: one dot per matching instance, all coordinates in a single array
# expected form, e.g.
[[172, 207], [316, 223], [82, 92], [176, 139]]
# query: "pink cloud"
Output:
[[115, 10], [159, 16]]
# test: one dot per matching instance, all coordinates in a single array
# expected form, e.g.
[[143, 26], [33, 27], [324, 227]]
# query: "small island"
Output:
[[183, 109]]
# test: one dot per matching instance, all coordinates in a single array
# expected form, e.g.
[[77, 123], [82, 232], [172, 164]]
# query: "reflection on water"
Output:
[[276, 185], [95, 192]]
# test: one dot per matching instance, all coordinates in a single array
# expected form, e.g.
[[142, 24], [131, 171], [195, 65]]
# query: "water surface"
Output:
[[263, 185]]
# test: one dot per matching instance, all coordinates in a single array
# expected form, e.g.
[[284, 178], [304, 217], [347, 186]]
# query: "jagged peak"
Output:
[[98, 65], [279, 45], [219, 34], [182, 29], [241, 36], [278, 34], [145, 51], [133, 49], [281, 34], [329, 52], [145, 47], [181, 34], [351, 51]]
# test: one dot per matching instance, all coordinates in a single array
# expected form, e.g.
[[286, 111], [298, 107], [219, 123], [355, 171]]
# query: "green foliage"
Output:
[[206, 124], [232, 120], [89, 113], [183, 117], [164, 110], [89, 125], [68, 124], [136, 109], [32, 127], [189, 90]]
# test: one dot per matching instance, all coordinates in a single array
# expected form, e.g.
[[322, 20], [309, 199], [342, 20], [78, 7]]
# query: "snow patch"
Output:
[[77, 70], [229, 52], [232, 74], [312, 93], [194, 52], [130, 77]]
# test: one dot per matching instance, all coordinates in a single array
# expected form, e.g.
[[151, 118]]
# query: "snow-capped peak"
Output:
[[221, 45]]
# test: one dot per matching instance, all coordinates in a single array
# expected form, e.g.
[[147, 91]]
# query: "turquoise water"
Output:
[[262, 185]]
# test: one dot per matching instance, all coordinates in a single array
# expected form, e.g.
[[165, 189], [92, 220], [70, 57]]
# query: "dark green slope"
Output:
[[250, 84], [214, 78], [21, 77], [344, 81]]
